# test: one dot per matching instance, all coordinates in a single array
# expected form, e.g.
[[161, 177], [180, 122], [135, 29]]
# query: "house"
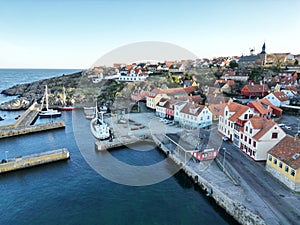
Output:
[[284, 162], [261, 109], [176, 68], [278, 98], [291, 91], [161, 110], [258, 136], [224, 85], [156, 94], [233, 119], [255, 90], [170, 109], [264, 108], [216, 110], [177, 108], [195, 116]]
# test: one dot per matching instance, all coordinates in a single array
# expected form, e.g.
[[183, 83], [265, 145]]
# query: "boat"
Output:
[[64, 106], [89, 112], [48, 112], [99, 128]]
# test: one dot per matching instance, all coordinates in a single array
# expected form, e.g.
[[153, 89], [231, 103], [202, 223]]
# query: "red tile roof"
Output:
[[241, 109], [286, 151], [263, 124], [260, 107], [188, 107], [267, 102], [256, 88], [217, 109], [281, 96]]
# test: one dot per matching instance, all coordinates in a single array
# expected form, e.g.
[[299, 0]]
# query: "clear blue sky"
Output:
[[75, 33]]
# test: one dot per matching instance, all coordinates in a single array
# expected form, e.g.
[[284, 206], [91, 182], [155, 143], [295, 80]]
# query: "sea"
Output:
[[72, 193]]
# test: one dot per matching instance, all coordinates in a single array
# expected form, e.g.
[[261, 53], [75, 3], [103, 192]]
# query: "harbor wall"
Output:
[[31, 129], [34, 160], [234, 208]]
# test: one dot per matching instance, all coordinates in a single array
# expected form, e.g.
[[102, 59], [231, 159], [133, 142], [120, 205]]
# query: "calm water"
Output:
[[70, 192]]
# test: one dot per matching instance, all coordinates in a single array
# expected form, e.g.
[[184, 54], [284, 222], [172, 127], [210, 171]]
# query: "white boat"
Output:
[[89, 112], [64, 106], [99, 128], [48, 112]]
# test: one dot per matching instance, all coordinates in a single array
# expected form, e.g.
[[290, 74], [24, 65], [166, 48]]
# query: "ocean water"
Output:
[[71, 192]]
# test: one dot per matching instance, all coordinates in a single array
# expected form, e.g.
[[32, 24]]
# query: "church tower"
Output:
[[263, 54]]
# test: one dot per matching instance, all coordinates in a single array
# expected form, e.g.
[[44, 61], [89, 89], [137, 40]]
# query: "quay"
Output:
[[25, 124], [22, 162], [233, 198]]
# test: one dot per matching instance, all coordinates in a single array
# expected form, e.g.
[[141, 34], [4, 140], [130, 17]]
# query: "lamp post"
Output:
[[224, 149]]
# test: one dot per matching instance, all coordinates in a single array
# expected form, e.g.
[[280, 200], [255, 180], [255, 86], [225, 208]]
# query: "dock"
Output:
[[24, 124], [22, 162]]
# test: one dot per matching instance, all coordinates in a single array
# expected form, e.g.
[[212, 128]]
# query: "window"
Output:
[[250, 130], [286, 169], [254, 144], [280, 165], [226, 113], [246, 116], [275, 161], [245, 138], [274, 135], [249, 141], [293, 173], [208, 117], [241, 136], [246, 128], [270, 158]]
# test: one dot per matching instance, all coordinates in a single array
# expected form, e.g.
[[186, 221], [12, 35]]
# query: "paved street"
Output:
[[281, 204]]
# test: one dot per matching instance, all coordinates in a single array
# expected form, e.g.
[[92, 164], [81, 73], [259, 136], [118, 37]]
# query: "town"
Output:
[[245, 98]]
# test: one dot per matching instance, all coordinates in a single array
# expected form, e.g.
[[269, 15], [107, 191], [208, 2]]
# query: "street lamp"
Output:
[[224, 149]]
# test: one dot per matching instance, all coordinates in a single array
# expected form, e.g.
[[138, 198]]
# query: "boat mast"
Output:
[[64, 96], [46, 95]]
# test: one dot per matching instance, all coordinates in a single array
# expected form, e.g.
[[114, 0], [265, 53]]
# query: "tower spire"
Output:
[[263, 49]]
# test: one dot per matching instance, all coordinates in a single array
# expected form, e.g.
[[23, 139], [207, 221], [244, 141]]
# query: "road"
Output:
[[283, 203]]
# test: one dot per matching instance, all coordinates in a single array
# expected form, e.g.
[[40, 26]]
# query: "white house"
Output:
[[161, 110], [233, 119], [258, 136], [278, 98], [195, 116]]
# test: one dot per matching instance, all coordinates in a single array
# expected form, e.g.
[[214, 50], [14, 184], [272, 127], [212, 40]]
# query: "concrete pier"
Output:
[[22, 162], [5, 133], [24, 124]]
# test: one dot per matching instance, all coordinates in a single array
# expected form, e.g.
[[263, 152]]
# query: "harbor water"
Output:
[[71, 192]]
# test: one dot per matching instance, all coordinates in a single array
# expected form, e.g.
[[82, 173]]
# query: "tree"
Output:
[[233, 64], [296, 63]]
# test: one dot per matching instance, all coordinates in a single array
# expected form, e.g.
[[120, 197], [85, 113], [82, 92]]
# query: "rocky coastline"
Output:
[[80, 91]]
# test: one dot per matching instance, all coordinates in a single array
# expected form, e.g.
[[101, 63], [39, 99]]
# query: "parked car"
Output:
[[225, 138], [281, 124]]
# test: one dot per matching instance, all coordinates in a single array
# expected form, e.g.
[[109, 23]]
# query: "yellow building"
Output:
[[283, 162]]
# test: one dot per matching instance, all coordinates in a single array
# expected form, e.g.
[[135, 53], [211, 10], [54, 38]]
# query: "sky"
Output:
[[76, 33]]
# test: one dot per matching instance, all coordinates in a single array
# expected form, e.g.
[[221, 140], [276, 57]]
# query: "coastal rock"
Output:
[[15, 104]]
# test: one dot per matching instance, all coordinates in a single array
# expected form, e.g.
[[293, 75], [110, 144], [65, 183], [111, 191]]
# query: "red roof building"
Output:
[[255, 90]]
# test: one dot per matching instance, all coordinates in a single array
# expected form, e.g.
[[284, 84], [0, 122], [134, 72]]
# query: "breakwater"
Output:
[[22, 162], [5, 133]]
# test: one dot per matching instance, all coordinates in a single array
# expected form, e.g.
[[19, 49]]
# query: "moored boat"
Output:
[[48, 112]]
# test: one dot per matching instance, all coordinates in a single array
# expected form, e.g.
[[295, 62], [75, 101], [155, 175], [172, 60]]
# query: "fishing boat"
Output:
[[99, 128], [64, 106], [89, 112], [48, 112]]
